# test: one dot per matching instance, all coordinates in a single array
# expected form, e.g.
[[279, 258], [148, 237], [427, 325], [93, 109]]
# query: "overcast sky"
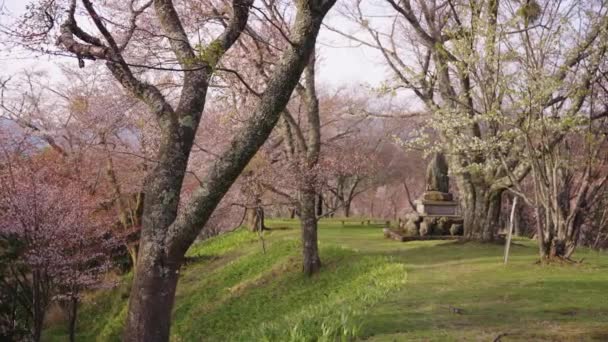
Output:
[[343, 63]]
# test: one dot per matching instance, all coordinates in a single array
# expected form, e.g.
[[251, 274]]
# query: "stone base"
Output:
[[436, 215], [437, 208], [416, 225]]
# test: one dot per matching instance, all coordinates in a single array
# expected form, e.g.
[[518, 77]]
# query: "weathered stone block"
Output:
[[456, 229]]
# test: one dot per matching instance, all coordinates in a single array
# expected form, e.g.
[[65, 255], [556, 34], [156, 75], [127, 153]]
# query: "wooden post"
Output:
[[510, 232]]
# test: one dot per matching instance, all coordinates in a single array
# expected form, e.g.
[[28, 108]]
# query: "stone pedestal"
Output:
[[436, 208], [436, 214]]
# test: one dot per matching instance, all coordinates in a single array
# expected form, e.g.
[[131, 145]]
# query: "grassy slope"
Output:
[[378, 289]]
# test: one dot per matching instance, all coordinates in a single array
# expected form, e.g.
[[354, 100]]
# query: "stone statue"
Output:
[[436, 212], [437, 174]]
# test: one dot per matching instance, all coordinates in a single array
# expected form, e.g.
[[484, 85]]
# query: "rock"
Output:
[[456, 229], [424, 229], [431, 220], [390, 234], [414, 217], [430, 224], [443, 226], [410, 228]]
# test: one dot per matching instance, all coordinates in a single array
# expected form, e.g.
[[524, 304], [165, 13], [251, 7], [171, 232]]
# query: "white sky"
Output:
[[342, 62]]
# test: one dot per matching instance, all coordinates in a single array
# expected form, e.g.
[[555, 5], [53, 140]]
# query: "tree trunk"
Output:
[[481, 212], [347, 209], [151, 299], [560, 247], [320, 205], [555, 248], [73, 312], [562, 228], [40, 301], [255, 218], [540, 235], [308, 220]]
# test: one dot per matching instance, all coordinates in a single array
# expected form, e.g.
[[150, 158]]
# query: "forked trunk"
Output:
[[556, 249], [559, 247], [255, 219], [551, 244], [347, 209], [308, 220]]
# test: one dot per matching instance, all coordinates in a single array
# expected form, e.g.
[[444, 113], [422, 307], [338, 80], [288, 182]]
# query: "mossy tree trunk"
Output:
[[480, 205]]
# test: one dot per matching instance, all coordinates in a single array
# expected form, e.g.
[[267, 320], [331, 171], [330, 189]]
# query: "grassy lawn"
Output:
[[371, 288]]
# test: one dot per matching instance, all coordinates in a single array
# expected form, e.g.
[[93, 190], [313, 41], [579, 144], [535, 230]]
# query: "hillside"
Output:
[[370, 288]]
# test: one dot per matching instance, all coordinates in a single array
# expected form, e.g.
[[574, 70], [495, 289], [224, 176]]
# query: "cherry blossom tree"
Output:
[[349, 171], [129, 46], [107, 133], [60, 247]]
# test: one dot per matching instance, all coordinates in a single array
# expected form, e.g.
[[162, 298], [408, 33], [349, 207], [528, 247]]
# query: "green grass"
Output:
[[369, 288]]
